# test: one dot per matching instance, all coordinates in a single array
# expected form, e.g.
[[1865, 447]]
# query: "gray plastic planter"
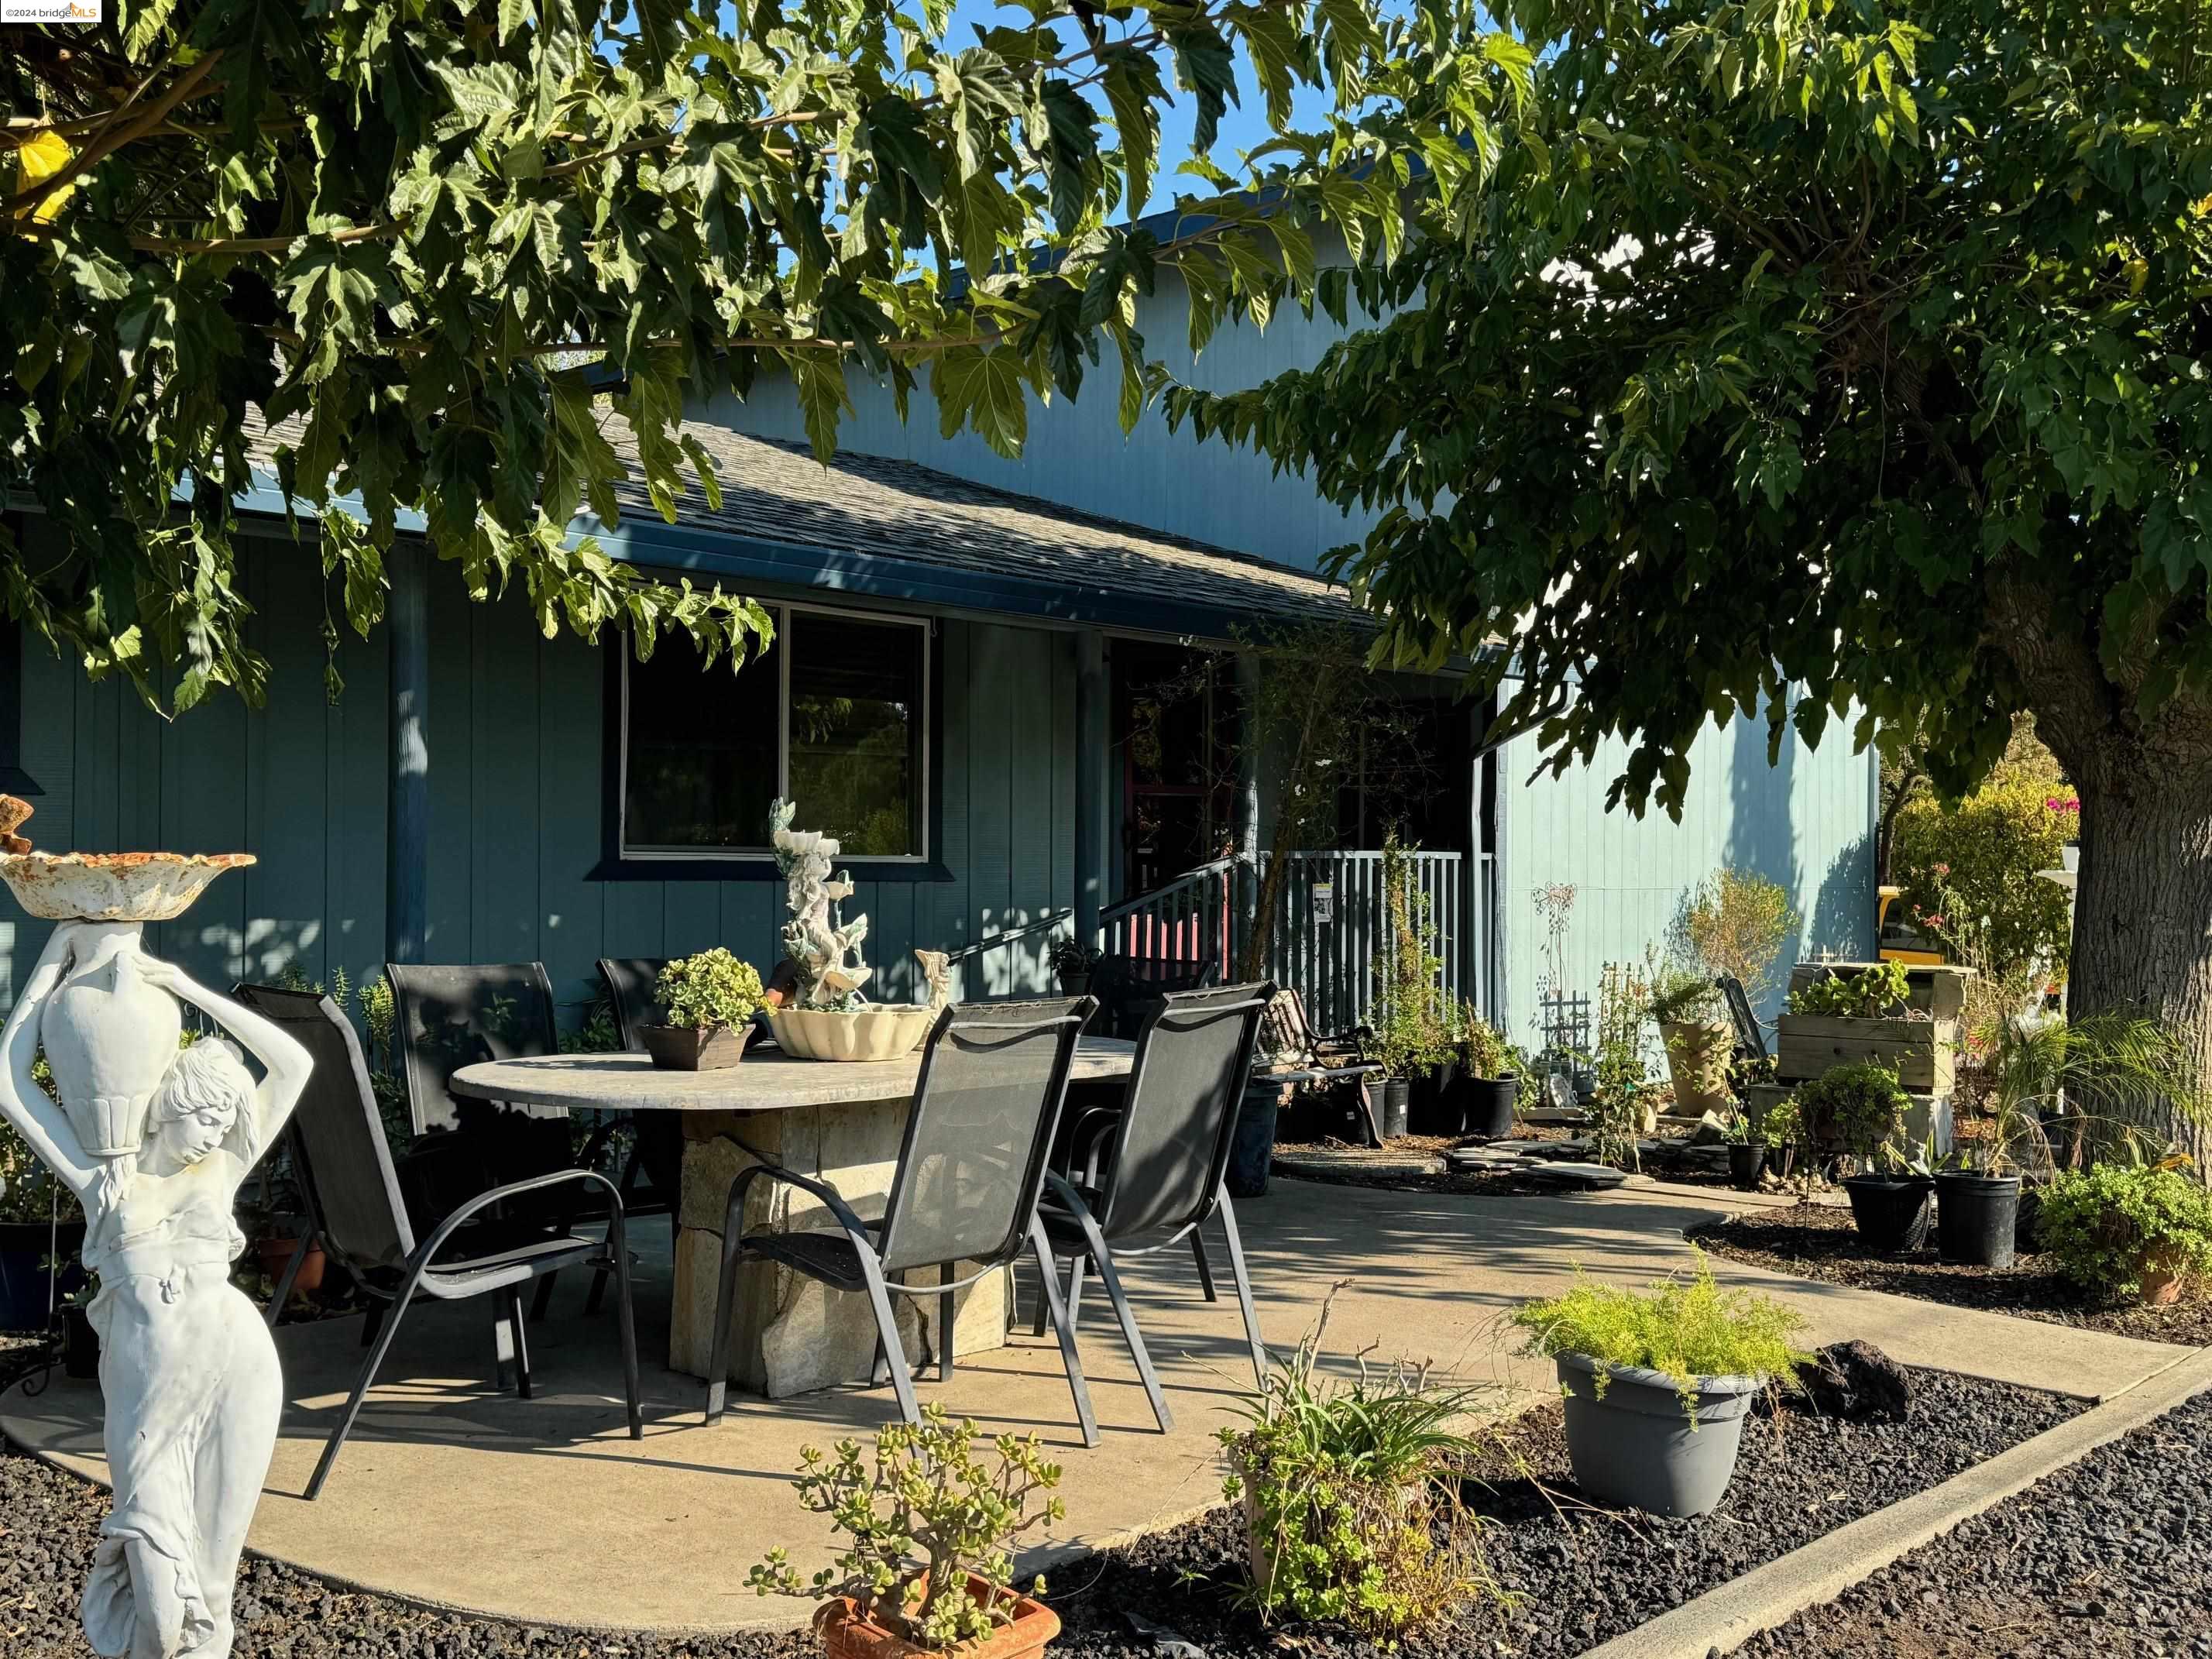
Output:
[[1636, 1446]]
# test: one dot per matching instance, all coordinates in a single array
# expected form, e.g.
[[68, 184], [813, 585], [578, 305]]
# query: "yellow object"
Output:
[[1887, 896], [37, 161]]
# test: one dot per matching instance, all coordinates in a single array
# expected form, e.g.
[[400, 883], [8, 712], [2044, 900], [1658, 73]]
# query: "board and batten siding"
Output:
[[1077, 455], [1805, 822], [517, 792]]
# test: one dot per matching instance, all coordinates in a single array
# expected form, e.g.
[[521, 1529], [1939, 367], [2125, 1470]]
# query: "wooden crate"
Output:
[[1921, 1052], [1940, 992]]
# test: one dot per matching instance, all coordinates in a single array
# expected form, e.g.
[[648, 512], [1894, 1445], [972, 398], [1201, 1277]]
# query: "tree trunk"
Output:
[[2142, 914]]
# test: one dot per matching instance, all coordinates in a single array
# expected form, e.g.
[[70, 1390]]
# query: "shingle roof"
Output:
[[868, 524], [874, 507]]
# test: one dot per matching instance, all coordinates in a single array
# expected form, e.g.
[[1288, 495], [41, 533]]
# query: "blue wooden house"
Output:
[[1004, 685]]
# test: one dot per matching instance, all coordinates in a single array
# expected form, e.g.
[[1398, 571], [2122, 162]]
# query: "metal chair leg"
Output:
[[381, 1344], [372, 1322], [541, 1299], [879, 1298], [518, 1334], [1205, 1268], [282, 1293], [1244, 1278], [725, 1297], [625, 1310], [1049, 1303], [1050, 1268], [1074, 1290], [1102, 1259], [945, 1316]]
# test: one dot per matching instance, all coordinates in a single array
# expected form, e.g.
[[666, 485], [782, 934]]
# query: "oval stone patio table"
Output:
[[842, 1123]]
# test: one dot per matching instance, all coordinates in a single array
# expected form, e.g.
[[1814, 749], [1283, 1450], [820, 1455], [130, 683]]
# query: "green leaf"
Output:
[[983, 389]]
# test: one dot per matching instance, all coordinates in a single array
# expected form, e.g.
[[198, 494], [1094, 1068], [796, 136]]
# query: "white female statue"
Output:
[[193, 1391]]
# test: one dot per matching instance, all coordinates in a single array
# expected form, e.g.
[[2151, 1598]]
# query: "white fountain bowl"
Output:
[[112, 886], [881, 1032]]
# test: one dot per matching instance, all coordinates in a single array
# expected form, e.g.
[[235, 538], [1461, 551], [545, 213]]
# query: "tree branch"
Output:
[[107, 143]]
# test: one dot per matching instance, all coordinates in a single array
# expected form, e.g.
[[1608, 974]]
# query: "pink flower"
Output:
[[1942, 869], [2061, 804], [1933, 922]]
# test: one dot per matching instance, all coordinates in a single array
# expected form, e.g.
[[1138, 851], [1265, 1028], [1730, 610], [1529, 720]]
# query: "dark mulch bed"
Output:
[[2111, 1556], [1579, 1575], [1820, 1242]]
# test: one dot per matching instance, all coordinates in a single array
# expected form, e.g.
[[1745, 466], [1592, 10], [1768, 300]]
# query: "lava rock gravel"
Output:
[[2111, 1556], [1573, 1575]]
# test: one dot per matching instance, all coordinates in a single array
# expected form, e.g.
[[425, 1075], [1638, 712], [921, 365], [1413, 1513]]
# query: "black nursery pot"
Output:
[[1892, 1212], [1747, 1160], [1980, 1211], [1436, 1101], [1393, 1098], [1490, 1102]]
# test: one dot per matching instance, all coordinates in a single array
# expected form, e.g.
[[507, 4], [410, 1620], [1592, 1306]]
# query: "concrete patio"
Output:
[[542, 1510]]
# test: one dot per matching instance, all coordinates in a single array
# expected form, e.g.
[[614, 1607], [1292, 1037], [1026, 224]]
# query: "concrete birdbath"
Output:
[[155, 1137]]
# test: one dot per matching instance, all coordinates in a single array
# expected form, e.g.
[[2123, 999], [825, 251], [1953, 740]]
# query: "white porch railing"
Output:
[[1328, 926]]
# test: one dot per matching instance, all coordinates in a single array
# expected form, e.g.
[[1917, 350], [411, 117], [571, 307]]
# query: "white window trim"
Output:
[[783, 614]]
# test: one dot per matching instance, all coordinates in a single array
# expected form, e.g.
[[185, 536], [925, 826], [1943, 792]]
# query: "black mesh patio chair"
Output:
[[1156, 1174], [965, 1190], [1750, 1036], [346, 1171], [448, 1016], [1128, 988], [630, 983]]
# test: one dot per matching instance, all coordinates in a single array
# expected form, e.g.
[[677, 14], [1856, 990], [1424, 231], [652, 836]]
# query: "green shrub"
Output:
[[1347, 1526], [1872, 994], [711, 989], [1737, 922], [2105, 1223], [1484, 1052], [1782, 1125], [1859, 1108], [1684, 995], [1977, 860], [1685, 1329], [926, 1515]]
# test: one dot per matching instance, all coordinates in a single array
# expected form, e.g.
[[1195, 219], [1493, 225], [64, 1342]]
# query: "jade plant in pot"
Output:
[[932, 1528], [1656, 1382], [1860, 1109], [709, 1000], [2118, 1230]]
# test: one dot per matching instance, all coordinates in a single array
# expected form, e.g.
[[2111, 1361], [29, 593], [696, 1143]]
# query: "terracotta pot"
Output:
[[688, 1048], [2161, 1283], [1695, 1055], [275, 1253], [845, 1635]]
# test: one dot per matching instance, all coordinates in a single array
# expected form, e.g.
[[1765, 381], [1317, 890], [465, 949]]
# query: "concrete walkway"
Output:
[[542, 1510]]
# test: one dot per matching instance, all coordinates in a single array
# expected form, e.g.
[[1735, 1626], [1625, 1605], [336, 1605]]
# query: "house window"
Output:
[[835, 715]]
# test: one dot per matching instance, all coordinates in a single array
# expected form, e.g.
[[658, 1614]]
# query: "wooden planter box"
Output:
[[1923, 1053], [1938, 991]]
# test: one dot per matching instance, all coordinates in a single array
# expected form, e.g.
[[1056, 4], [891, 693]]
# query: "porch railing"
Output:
[[1329, 926]]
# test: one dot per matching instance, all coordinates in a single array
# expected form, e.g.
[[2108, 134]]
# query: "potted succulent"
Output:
[[931, 1530], [708, 1000], [1073, 962], [1746, 1155], [2143, 1231], [1656, 1382], [1861, 1108], [1692, 1027]]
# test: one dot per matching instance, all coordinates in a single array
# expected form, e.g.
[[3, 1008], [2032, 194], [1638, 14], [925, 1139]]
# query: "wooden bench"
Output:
[[1290, 1053]]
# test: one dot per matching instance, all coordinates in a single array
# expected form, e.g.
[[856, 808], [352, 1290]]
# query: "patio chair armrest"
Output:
[[427, 1250], [846, 1217]]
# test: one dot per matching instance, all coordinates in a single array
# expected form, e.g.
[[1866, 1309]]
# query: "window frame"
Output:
[[621, 860]]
